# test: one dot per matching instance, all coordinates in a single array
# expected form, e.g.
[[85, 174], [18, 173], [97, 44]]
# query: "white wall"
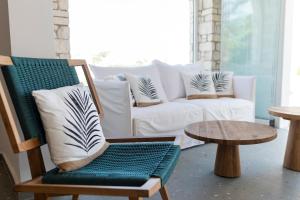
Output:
[[5, 149], [31, 28], [29, 33], [4, 29]]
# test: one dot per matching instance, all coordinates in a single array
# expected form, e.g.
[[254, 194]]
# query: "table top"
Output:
[[290, 113], [231, 132]]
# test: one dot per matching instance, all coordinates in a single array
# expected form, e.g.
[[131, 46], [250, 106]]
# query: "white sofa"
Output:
[[170, 117]]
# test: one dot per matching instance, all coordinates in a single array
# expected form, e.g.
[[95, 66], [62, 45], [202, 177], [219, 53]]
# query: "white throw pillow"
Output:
[[223, 83], [114, 96], [199, 85], [171, 77], [121, 77], [146, 71], [144, 90], [72, 126]]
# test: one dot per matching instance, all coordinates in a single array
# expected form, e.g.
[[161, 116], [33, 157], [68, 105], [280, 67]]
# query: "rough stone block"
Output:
[[218, 46], [206, 28], [209, 11], [55, 5], [217, 27], [207, 4], [216, 56], [206, 56], [208, 64], [203, 38], [63, 32], [61, 21], [220, 11], [63, 4], [213, 38], [60, 13], [212, 17], [62, 46], [217, 3], [201, 19], [207, 46]]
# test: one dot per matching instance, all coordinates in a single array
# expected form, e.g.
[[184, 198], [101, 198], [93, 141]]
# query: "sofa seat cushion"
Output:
[[166, 117], [224, 108], [129, 164]]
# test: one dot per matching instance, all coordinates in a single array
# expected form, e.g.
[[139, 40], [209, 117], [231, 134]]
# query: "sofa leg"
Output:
[[135, 198], [164, 193]]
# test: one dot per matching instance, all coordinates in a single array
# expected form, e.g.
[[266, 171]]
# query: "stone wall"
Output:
[[61, 28], [209, 32]]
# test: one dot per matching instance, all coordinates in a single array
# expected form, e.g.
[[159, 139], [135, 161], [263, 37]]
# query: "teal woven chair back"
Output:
[[28, 74]]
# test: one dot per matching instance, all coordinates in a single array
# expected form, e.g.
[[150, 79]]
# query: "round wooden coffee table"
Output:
[[229, 135], [292, 152]]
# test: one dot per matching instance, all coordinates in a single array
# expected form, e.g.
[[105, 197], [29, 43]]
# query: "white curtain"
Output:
[[251, 43]]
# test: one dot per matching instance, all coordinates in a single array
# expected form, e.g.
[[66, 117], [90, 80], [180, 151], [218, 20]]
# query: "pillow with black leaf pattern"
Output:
[[72, 126], [223, 83], [144, 90], [199, 85]]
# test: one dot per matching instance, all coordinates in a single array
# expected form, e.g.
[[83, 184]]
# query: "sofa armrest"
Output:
[[115, 99], [244, 87]]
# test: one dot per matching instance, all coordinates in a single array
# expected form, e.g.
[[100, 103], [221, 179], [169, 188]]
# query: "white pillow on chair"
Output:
[[72, 126]]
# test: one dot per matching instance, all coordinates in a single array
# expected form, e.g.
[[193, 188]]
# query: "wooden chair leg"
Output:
[[135, 198], [164, 193], [41, 196], [75, 197]]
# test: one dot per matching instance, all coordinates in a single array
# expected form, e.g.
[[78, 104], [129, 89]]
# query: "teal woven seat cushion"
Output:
[[28, 74], [123, 165]]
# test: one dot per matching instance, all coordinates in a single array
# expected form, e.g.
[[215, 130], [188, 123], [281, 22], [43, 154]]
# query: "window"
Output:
[[251, 45], [131, 32]]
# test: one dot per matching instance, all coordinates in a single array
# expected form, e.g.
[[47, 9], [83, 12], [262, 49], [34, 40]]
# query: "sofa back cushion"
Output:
[[148, 71], [171, 77]]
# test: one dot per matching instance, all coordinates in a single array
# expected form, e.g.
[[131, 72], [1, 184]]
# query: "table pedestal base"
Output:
[[227, 162], [292, 152]]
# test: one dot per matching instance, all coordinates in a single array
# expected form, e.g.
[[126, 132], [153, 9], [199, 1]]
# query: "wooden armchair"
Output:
[[22, 76]]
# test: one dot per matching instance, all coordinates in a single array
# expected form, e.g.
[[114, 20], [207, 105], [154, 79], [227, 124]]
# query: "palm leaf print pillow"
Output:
[[223, 83], [199, 85], [144, 90], [72, 126]]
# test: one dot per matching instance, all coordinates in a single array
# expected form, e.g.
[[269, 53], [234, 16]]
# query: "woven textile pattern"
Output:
[[123, 164], [28, 74]]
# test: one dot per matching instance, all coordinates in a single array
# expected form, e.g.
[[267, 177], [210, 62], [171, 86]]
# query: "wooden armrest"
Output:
[[140, 139], [148, 189]]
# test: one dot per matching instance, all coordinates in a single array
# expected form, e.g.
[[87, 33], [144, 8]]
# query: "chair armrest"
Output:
[[141, 139], [115, 100], [244, 87]]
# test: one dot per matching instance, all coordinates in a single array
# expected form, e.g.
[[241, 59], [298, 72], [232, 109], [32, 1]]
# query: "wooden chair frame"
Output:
[[37, 168]]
